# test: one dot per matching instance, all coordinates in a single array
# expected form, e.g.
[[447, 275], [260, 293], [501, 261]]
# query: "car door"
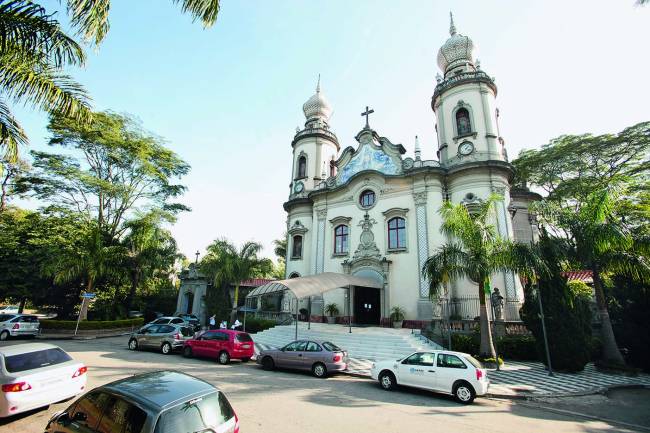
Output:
[[204, 344], [219, 343], [417, 370], [449, 368], [288, 355], [121, 416], [163, 331], [144, 336], [83, 416]]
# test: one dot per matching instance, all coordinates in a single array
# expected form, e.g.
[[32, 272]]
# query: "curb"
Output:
[[78, 337], [591, 391]]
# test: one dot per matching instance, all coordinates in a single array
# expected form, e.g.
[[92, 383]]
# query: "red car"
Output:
[[222, 344]]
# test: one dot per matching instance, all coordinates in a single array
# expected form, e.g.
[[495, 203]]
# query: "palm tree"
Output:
[[475, 251], [33, 51], [226, 265], [602, 243], [148, 249]]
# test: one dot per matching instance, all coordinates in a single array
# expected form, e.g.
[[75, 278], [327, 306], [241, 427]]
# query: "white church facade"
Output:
[[371, 210]]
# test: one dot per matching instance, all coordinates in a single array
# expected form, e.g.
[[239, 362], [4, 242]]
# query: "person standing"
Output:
[[213, 322]]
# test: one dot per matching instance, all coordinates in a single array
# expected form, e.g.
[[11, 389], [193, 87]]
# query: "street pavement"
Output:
[[288, 402]]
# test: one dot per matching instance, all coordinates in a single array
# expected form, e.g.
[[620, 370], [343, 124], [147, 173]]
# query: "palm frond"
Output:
[[448, 263], [25, 27], [90, 18], [12, 135], [35, 82], [204, 10]]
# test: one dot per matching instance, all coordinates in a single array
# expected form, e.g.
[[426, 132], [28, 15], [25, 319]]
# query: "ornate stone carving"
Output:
[[420, 197], [367, 247], [298, 228], [321, 213], [471, 202], [407, 163]]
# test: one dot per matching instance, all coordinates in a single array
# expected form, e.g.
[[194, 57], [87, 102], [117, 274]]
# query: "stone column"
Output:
[[318, 303], [425, 308], [504, 232], [490, 136]]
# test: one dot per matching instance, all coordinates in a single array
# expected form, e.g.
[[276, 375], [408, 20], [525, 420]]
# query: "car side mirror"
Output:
[[80, 416], [63, 419]]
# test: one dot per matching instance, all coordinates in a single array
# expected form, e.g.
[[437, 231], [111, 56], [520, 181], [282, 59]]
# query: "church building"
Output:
[[371, 210]]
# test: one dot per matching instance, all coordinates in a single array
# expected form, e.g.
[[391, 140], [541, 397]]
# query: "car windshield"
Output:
[[331, 347], [187, 332], [475, 362], [5, 317], [243, 338], [197, 415], [32, 360]]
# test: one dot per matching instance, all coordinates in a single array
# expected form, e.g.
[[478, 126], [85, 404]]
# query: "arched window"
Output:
[[341, 239], [332, 168], [367, 198], [463, 124], [296, 247], [302, 167], [396, 233]]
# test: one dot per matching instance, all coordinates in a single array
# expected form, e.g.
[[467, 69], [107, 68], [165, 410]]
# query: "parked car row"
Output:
[[17, 325]]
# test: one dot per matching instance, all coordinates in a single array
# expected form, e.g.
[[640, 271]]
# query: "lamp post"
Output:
[[535, 225]]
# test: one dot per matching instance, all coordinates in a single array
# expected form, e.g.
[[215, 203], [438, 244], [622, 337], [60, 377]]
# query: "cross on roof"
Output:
[[197, 256], [367, 113]]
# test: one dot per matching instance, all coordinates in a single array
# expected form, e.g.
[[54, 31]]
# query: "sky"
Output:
[[229, 98]]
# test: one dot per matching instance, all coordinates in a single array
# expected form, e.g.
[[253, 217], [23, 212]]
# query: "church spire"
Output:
[[452, 27], [318, 85], [418, 151]]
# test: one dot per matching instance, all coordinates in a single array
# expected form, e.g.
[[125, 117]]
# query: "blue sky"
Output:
[[228, 99]]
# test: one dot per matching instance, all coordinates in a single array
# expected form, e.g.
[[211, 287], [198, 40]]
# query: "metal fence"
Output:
[[468, 308]]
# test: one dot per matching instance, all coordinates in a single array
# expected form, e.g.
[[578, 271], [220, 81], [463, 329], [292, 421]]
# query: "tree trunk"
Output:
[[135, 280], [233, 314], [611, 354], [487, 345], [21, 306]]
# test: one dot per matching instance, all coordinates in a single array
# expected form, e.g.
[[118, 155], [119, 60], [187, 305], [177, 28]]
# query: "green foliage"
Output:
[[332, 309], [91, 324], [567, 317], [397, 314], [254, 325], [217, 302], [512, 347], [579, 289]]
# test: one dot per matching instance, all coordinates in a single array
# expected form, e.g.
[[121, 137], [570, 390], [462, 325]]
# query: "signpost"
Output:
[[85, 300]]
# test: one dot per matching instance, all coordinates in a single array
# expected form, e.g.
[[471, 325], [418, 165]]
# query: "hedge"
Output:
[[91, 324], [254, 325], [514, 347]]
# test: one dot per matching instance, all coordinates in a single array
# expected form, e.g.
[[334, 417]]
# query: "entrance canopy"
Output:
[[313, 285]]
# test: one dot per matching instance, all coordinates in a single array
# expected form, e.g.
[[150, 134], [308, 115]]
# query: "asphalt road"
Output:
[[288, 402]]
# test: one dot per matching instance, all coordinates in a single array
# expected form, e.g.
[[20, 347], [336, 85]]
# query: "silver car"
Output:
[[15, 325], [165, 338], [321, 357]]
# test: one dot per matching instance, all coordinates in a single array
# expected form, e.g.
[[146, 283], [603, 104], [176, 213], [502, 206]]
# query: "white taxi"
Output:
[[34, 375], [455, 373]]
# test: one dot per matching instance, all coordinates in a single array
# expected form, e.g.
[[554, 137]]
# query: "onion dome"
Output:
[[458, 49], [317, 107]]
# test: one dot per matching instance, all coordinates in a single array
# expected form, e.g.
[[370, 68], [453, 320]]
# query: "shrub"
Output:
[[513, 347], [92, 324], [332, 310], [254, 325], [397, 314]]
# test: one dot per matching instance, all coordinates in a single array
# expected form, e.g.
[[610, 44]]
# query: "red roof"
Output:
[[255, 282], [586, 276]]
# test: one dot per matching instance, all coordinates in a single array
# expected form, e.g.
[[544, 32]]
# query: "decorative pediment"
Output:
[[298, 229], [367, 247]]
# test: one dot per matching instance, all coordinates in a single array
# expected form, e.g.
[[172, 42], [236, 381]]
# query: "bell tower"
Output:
[[314, 148], [464, 105]]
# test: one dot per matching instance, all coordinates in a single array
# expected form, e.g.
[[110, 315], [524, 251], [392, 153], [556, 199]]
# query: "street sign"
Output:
[[87, 295]]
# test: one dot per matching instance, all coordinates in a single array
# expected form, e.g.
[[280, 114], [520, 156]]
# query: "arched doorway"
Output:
[[188, 302], [367, 300]]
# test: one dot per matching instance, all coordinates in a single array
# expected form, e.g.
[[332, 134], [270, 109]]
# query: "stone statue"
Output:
[[497, 304]]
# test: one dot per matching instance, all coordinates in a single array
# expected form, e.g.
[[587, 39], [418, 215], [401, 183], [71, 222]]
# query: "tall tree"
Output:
[[10, 173], [149, 248], [115, 170], [475, 251], [228, 265], [602, 243], [280, 250]]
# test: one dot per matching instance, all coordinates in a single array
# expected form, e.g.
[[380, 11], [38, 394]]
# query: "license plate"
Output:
[[246, 346]]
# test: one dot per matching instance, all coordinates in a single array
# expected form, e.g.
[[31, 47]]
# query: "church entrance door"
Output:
[[188, 302], [366, 306]]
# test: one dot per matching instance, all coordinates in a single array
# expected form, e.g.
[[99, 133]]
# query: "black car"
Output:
[[162, 401], [192, 320]]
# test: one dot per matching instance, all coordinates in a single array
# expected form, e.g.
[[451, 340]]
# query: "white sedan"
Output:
[[36, 375], [455, 373]]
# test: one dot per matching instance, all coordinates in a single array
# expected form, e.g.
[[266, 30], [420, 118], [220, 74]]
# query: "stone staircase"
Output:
[[368, 343]]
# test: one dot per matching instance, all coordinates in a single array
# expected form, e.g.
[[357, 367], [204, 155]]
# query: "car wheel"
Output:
[[319, 370], [387, 380], [268, 363], [187, 351], [245, 359], [133, 344], [4, 335], [464, 393], [166, 348], [224, 358]]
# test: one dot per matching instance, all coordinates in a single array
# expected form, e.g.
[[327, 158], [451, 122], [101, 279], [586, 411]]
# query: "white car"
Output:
[[17, 325], [455, 373], [9, 309], [34, 375]]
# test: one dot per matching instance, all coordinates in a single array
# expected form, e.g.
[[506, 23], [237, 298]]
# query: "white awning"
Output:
[[312, 285]]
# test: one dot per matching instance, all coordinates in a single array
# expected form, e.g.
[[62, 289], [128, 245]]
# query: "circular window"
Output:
[[367, 198]]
